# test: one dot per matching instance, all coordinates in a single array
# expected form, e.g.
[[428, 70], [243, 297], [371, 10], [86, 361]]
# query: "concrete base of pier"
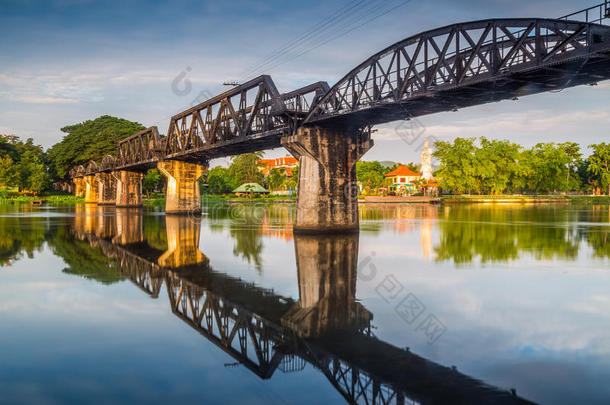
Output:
[[182, 194], [128, 188], [91, 189], [79, 187], [327, 198], [106, 189]]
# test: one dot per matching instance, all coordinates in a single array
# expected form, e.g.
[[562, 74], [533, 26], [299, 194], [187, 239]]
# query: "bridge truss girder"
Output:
[[466, 64]]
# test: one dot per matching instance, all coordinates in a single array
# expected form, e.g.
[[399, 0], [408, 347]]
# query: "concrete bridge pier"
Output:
[[106, 189], [79, 186], [128, 188], [91, 189], [182, 194], [327, 198]]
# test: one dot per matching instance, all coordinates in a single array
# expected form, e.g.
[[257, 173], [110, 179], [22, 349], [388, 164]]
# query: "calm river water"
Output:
[[428, 304]]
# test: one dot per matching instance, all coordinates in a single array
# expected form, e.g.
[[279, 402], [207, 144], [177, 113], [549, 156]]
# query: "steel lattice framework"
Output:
[[140, 150], [466, 64], [249, 117]]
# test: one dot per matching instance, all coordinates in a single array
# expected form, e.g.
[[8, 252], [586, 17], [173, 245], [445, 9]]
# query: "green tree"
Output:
[[599, 164], [586, 178], [8, 172], [220, 181], [497, 165], [370, 174], [277, 178], [293, 181], [411, 166], [153, 181], [89, 140], [548, 165], [245, 168], [31, 173], [572, 152], [457, 164]]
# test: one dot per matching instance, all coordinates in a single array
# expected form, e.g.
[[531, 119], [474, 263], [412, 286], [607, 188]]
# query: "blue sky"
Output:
[[67, 61]]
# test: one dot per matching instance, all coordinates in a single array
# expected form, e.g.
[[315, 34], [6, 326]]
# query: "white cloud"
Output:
[[527, 122], [45, 100]]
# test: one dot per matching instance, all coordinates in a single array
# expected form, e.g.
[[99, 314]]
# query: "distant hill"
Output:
[[388, 163]]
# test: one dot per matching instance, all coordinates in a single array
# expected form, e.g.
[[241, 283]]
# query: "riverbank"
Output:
[[525, 199], [369, 199], [159, 201], [58, 199]]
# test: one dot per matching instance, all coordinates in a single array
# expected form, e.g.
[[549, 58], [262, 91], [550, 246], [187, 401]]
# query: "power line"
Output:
[[346, 29], [328, 34], [353, 16], [344, 11]]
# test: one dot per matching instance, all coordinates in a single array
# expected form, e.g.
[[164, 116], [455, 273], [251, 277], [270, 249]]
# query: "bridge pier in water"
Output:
[[182, 194], [128, 188], [106, 188], [327, 198], [79, 186], [91, 189]]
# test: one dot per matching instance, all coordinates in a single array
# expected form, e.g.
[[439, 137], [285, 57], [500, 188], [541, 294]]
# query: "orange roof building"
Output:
[[402, 170], [403, 179], [287, 162]]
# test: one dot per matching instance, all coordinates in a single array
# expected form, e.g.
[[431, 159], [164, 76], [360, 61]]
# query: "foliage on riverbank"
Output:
[[55, 199], [490, 166]]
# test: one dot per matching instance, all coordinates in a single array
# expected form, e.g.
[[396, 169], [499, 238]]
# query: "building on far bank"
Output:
[[287, 162], [403, 180]]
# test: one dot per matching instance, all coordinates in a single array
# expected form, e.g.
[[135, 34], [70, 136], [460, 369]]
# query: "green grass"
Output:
[[56, 199]]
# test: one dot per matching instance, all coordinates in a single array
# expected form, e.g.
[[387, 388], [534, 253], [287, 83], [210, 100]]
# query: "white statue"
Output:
[[426, 161]]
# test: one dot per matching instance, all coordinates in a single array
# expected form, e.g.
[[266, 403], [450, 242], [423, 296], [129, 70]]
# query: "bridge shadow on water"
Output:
[[327, 327]]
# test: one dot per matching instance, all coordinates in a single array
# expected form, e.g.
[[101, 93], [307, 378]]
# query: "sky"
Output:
[[67, 61]]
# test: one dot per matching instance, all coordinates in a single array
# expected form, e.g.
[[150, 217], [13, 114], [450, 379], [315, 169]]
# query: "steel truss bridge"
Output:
[[246, 322], [444, 69]]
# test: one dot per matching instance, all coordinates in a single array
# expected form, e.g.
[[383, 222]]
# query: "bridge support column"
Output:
[[182, 192], [79, 187], [128, 188], [106, 188], [91, 189], [327, 198]]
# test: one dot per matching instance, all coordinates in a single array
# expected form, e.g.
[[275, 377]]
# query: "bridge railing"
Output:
[[596, 14]]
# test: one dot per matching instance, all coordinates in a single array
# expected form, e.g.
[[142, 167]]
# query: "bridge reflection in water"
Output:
[[327, 327]]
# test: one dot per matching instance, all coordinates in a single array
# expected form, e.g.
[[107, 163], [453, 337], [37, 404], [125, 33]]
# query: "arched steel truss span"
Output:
[[466, 64]]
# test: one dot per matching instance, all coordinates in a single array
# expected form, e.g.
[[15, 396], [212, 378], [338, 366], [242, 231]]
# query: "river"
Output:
[[428, 304]]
